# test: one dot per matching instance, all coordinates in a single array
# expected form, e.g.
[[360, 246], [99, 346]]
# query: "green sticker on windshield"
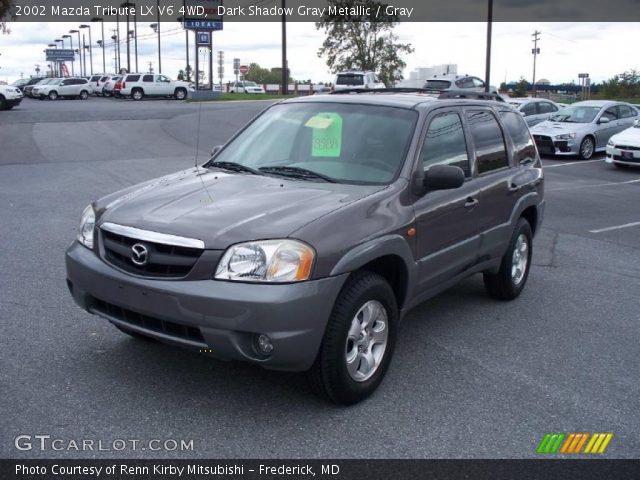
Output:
[[327, 134]]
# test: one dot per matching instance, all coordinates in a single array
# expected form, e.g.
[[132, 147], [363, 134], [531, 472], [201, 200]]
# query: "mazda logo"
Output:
[[139, 254]]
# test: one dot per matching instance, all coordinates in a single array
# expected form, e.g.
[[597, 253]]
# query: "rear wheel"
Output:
[[137, 94], [587, 147], [359, 341], [53, 95], [510, 280], [180, 94], [106, 93], [84, 95]]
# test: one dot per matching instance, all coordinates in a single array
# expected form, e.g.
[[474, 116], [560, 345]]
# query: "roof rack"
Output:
[[440, 94]]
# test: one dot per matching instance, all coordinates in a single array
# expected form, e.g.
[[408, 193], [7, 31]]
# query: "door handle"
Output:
[[471, 202]]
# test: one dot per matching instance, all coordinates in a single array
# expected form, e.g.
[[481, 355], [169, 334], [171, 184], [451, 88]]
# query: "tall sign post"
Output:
[[585, 85], [236, 68], [202, 17], [220, 67]]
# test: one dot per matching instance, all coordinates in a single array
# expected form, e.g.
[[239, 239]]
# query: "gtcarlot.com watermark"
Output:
[[44, 443]]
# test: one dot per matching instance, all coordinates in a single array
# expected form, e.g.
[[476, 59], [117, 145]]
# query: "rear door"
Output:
[[149, 84], [446, 220], [497, 175]]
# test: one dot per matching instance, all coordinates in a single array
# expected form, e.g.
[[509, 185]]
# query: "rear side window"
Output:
[[626, 111], [529, 109], [491, 153], [445, 143], [132, 78], [519, 133], [350, 79], [104, 79], [546, 107], [465, 83], [147, 78], [437, 84]]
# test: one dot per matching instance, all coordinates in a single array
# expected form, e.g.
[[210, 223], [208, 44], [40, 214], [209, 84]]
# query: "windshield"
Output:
[[360, 144], [350, 79], [576, 114], [437, 84]]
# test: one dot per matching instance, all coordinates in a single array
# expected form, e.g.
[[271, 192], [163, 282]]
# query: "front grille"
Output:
[[627, 147], [545, 144], [168, 261], [171, 329]]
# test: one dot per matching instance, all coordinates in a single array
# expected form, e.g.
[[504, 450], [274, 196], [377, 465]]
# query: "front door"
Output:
[[447, 227]]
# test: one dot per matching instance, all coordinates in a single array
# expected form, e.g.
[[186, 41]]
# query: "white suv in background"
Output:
[[9, 97], [357, 80], [246, 86], [64, 88], [140, 85]]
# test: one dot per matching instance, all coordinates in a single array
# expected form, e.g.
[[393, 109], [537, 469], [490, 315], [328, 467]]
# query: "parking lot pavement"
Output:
[[472, 377]]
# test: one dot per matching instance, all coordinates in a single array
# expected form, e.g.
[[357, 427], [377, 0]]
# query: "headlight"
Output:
[[87, 224], [276, 261], [565, 136], [610, 143]]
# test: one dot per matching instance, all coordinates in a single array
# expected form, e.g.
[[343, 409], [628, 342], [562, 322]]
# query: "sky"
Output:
[[600, 49]]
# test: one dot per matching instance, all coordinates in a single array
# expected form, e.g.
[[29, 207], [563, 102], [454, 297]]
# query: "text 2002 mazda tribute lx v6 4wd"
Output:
[[305, 239]]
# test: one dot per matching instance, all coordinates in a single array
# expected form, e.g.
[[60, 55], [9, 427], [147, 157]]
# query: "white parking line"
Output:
[[577, 162], [617, 227], [608, 184]]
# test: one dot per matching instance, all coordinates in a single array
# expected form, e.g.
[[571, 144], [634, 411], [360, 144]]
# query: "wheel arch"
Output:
[[389, 256]]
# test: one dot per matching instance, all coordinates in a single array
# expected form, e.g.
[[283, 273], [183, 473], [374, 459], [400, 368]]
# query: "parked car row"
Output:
[[133, 85]]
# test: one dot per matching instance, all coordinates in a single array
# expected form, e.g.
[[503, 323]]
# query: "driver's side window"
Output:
[[445, 143], [611, 113]]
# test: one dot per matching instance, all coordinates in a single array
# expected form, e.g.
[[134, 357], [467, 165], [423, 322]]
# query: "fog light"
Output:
[[265, 346]]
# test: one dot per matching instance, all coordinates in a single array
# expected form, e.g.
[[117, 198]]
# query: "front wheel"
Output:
[[84, 95], [509, 282], [53, 95], [358, 342], [180, 94], [3, 103], [587, 147]]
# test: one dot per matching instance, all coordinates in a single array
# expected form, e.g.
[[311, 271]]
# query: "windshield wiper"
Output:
[[234, 167], [297, 172]]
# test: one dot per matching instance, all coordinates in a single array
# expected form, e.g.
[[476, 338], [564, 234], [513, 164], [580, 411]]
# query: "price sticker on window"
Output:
[[326, 139]]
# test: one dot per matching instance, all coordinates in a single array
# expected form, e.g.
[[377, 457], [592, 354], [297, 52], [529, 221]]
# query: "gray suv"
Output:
[[302, 242]]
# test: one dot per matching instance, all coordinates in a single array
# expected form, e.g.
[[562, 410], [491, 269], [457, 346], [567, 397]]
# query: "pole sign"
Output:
[[203, 39], [59, 54], [202, 15]]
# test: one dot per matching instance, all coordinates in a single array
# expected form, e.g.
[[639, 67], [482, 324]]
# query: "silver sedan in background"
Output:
[[583, 128], [534, 110]]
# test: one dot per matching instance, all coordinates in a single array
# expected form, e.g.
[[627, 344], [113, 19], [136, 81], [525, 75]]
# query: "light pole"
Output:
[[128, 6], [59, 62], [156, 28], [104, 60], [487, 73], [82, 74], [73, 62], [90, 47], [54, 62]]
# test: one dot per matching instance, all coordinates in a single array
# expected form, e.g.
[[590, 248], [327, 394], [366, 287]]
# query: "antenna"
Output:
[[198, 133]]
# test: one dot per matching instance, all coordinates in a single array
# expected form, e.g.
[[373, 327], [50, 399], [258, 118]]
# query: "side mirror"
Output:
[[216, 149], [443, 177], [604, 120]]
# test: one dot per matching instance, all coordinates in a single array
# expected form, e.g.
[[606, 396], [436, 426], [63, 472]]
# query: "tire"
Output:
[[8, 107], [334, 376], [83, 95], [106, 94], [180, 94], [137, 94], [136, 335], [3, 103], [510, 280], [587, 148], [53, 95]]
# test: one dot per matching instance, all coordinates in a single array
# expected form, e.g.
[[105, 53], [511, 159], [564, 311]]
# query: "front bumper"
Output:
[[216, 317], [547, 145], [629, 155], [12, 102]]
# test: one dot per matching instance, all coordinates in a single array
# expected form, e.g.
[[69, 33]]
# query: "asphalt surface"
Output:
[[471, 377]]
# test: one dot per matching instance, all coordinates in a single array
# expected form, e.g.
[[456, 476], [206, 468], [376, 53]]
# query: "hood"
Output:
[[629, 136], [223, 208], [549, 127]]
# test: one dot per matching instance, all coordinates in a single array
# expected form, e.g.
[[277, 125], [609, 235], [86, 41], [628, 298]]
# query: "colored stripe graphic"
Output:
[[574, 442], [550, 443]]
